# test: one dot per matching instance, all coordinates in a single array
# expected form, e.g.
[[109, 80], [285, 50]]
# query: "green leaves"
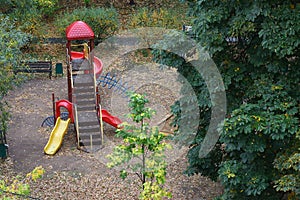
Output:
[[241, 182], [280, 30], [154, 192], [255, 45], [19, 186], [288, 163], [162, 17], [29, 14], [229, 171], [103, 21], [250, 135], [11, 42], [145, 144], [138, 110]]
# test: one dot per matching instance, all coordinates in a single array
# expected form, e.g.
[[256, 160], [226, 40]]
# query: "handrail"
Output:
[[91, 56], [96, 101], [71, 74], [70, 67], [101, 124], [76, 125], [92, 66]]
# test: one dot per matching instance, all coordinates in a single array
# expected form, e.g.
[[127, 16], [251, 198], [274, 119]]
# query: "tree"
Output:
[[11, 42], [145, 144], [255, 45]]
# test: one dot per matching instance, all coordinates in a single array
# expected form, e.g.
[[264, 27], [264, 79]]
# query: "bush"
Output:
[[103, 21], [20, 187], [46, 7], [146, 17], [29, 14]]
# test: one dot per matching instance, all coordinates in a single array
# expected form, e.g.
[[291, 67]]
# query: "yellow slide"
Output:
[[56, 136]]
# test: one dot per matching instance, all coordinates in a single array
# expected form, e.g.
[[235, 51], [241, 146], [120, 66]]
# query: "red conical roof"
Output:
[[79, 30]]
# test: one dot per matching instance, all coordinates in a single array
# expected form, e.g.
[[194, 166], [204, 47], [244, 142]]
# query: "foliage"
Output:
[[254, 135], [146, 17], [19, 187], [29, 15], [103, 21], [87, 3], [11, 42], [185, 136], [46, 7], [145, 144], [288, 162], [255, 45]]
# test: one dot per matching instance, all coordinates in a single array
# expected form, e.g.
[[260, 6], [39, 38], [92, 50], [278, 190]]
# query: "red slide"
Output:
[[108, 118]]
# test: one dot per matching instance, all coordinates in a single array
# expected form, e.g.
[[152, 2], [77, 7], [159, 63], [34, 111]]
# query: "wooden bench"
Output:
[[36, 67]]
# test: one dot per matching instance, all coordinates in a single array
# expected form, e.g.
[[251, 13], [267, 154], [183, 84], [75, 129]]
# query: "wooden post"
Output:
[[92, 44]]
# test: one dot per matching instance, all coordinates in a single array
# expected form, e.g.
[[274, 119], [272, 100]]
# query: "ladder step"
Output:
[[82, 73], [84, 90], [87, 108], [88, 116], [88, 123], [84, 96], [95, 136], [83, 65], [86, 70], [89, 130], [88, 143], [86, 102], [97, 142], [77, 72], [89, 105], [84, 84], [83, 77]]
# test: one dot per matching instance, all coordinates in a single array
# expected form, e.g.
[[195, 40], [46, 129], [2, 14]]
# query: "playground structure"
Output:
[[83, 104]]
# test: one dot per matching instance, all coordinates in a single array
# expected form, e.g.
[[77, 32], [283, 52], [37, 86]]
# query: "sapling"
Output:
[[142, 150]]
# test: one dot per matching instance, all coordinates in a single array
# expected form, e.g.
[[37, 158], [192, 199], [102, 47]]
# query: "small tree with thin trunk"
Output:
[[142, 150]]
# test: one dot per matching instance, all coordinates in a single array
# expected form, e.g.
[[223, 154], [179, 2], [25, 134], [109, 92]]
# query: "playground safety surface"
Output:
[[73, 174]]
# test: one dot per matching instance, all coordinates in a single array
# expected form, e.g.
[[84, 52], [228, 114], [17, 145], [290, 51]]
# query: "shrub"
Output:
[[103, 21], [166, 18], [46, 7], [20, 187], [29, 14]]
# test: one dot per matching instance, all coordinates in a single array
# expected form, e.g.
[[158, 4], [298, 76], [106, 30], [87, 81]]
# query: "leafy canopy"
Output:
[[255, 45], [11, 41]]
